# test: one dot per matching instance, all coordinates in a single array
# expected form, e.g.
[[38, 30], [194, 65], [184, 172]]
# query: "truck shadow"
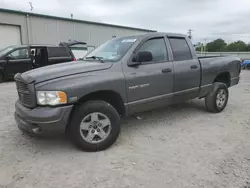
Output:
[[61, 143], [49, 142], [189, 106], [169, 115]]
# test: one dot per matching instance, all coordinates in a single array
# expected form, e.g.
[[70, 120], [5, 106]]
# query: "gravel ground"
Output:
[[179, 146]]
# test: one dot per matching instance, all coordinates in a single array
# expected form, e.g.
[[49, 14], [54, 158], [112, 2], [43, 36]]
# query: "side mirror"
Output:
[[144, 56]]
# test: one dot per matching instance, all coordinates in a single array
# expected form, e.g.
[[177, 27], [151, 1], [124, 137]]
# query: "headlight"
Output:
[[51, 97]]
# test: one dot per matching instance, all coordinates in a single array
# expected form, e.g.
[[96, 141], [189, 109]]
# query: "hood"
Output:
[[62, 70]]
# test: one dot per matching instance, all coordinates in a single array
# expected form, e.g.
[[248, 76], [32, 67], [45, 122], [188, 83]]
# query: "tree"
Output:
[[238, 46], [248, 47], [217, 45], [199, 46]]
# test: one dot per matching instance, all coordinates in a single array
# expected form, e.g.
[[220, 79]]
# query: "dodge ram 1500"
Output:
[[123, 76]]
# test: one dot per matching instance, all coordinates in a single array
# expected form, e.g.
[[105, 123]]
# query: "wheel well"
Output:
[[223, 77], [111, 97]]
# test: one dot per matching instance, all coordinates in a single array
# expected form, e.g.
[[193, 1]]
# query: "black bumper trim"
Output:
[[47, 118]]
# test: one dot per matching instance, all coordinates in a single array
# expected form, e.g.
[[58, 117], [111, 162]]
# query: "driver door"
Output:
[[17, 61], [150, 84]]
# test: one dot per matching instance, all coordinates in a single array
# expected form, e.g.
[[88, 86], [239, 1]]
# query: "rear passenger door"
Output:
[[150, 84], [186, 69]]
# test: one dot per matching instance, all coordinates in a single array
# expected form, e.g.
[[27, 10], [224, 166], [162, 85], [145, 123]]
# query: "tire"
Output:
[[214, 102], [84, 116], [1, 77]]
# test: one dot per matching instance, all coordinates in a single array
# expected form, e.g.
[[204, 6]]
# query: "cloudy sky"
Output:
[[209, 19]]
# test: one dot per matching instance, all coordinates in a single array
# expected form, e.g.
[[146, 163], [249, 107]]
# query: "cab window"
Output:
[[157, 47], [180, 48]]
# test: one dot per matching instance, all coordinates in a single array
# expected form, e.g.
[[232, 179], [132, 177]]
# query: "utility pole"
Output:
[[190, 33], [205, 45], [28, 23], [202, 46], [31, 6]]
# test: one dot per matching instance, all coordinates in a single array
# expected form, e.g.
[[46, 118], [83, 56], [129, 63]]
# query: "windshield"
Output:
[[5, 50], [112, 50]]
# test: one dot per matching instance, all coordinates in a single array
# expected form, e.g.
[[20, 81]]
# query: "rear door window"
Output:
[[58, 52], [180, 48]]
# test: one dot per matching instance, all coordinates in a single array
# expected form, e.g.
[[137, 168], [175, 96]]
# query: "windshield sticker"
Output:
[[128, 40]]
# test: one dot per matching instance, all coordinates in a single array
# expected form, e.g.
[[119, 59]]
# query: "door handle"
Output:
[[194, 67], [166, 70]]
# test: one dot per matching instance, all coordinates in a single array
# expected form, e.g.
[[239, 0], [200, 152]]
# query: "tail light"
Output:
[[74, 59]]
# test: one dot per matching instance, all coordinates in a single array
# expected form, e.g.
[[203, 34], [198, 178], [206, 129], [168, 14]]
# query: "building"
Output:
[[17, 27]]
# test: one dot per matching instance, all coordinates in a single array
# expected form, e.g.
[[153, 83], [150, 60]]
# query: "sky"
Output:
[[209, 19]]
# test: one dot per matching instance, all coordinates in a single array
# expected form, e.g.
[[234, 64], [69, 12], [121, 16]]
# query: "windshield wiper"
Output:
[[96, 57]]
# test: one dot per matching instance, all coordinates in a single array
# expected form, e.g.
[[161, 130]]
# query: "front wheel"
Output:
[[217, 99], [94, 126]]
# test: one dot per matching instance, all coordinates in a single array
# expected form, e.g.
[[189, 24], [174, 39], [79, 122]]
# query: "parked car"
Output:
[[19, 59], [120, 77], [245, 64]]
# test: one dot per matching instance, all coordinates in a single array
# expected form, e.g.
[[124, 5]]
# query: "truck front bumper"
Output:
[[42, 119]]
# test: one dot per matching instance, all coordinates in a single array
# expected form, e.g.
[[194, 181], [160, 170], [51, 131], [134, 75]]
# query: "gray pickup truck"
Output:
[[123, 76]]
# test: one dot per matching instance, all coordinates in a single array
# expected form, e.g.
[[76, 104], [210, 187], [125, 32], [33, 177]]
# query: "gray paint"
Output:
[[211, 67], [43, 29], [55, 119], [142, 87]]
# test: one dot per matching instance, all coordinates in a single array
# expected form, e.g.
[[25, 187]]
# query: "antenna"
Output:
[[31, 6]]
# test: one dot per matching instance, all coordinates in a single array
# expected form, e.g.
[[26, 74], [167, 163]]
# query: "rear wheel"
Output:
[[217, 99], [94, 126]]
